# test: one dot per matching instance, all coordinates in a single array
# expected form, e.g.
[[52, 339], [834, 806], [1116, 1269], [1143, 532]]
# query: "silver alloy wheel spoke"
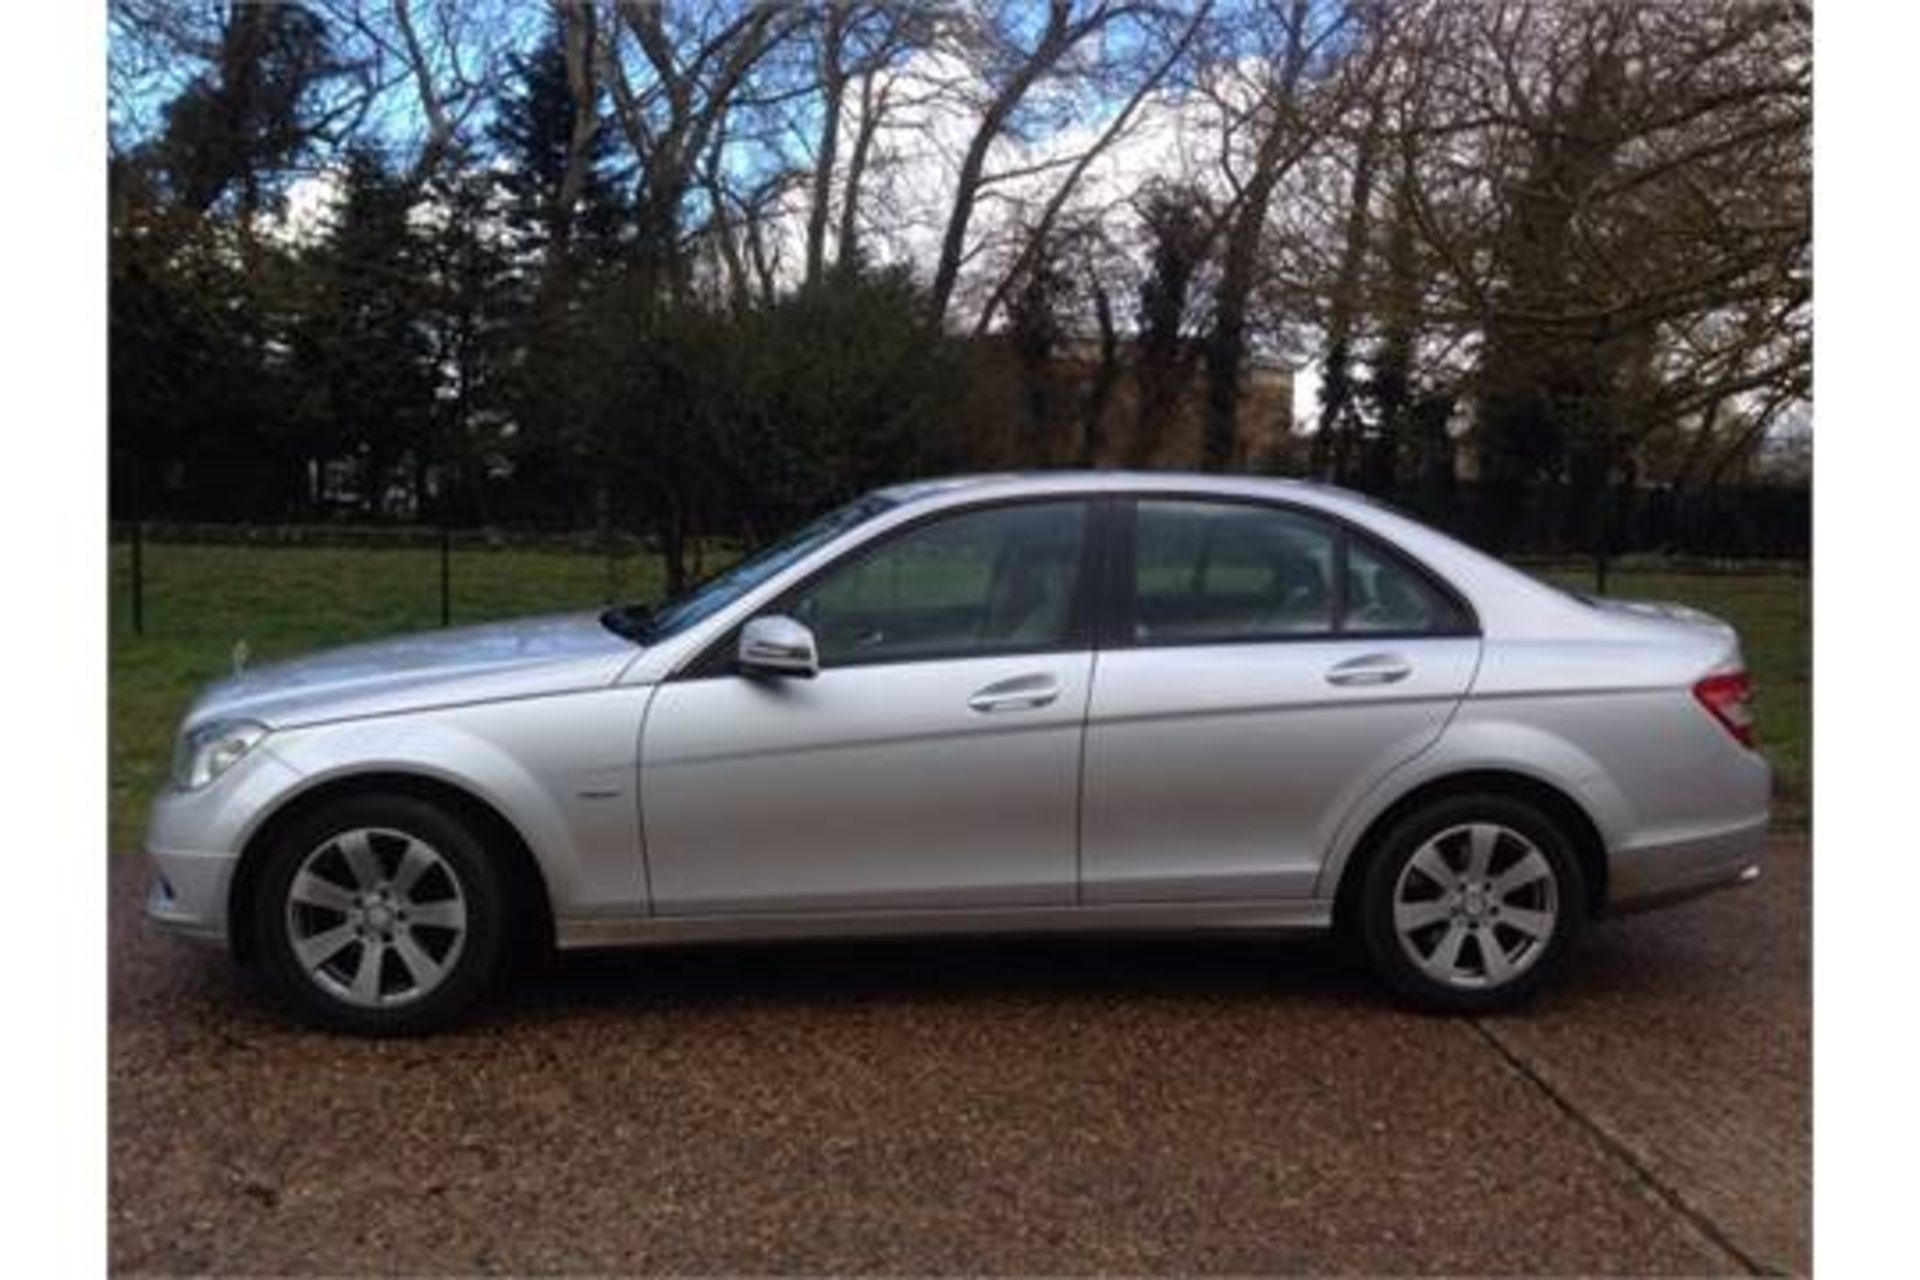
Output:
[[1494, 958], [449, 913], [318, 892], [1446, 956], [1535, 924], [319, 948], [414, 863], [366, 977], [1418, 915], [420, 966], [1481, 840], [1510, 914], [342, 936], [1432, 864], [357, 848], [1528, 869]]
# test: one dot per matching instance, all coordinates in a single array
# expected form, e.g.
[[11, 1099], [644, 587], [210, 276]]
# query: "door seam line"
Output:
[[1080, 785]]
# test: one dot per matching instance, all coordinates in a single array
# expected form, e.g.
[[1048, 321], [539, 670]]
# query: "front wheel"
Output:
[[1471, 903], [379, 914]]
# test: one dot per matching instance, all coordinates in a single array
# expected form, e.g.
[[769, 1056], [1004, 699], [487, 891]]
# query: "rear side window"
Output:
[[1385, 594], [1206, 572], [1224, 571]]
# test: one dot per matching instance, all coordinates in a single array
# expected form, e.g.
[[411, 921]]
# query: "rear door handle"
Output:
[[1022, 693], [1371, 668]]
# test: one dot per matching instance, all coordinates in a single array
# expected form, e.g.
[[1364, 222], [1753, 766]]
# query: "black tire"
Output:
[[477, 879], [1382, 878]]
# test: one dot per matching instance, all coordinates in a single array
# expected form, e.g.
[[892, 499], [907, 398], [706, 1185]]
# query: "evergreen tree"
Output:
[[1178, 221], [533, 133], [239, 123], [362, 355], [468, 322]]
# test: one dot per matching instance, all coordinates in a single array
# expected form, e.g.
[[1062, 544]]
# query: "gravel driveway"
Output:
[[986, 1107]]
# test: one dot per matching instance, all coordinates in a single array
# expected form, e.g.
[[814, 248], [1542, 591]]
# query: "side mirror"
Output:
[[774, 645]]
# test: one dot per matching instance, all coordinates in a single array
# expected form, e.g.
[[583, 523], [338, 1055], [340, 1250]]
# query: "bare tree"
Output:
[[1006, 69], [1156, 75], [672, 98], [1298, 30], [1622, 210]]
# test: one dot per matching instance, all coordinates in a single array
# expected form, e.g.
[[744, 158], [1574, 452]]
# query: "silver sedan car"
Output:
[[1028, 703]]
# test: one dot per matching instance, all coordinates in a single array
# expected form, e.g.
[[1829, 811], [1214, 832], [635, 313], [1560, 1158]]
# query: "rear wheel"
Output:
[[1471, 903], [379, 914]]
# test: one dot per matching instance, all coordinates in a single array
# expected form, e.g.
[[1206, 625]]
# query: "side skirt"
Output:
[[1292, 916]]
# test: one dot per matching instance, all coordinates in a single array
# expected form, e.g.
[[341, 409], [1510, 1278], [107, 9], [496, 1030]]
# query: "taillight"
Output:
[[1728, 698]]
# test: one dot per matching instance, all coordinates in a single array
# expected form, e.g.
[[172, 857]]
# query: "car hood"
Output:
[[527, 657]]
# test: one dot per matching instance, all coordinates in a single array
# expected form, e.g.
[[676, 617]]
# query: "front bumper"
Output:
[[188, 895], [1657, 874], [194, 839]]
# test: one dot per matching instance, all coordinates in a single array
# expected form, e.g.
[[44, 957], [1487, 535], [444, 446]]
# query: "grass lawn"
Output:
[[283, 600]]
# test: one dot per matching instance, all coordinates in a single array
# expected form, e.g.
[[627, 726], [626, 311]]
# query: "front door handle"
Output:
[[1022, 693], [1371, 668]]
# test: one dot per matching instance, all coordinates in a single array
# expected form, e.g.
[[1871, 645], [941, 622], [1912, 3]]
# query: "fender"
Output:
[[1474, 742], [562, 770]]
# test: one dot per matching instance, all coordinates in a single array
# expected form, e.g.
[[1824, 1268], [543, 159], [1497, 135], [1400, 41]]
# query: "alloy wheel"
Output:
[[376, 917], [1476, 905]]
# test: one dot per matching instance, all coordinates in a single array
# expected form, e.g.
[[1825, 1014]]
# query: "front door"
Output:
[[1270, 667], [933, 763]]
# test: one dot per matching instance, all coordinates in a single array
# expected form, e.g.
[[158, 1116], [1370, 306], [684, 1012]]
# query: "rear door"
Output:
[[1267, 666]]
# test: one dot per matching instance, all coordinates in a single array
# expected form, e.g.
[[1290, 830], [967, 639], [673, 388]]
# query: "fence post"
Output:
[[446, 573], [138, 575], [139, 581]]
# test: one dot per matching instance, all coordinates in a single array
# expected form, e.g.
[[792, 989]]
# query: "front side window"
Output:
[[994, 580], [1206, 571], [721, 590]]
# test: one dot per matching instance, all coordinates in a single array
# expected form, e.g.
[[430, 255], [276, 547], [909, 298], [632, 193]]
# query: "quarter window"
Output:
[[1385, 594], [994, 580]]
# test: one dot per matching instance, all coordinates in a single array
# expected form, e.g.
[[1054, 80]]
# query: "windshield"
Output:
[[638, 623]]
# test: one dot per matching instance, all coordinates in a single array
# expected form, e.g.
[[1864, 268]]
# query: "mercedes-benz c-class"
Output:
[[995, 704]]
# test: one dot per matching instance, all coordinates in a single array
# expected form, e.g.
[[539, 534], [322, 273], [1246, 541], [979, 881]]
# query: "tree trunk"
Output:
[[833, 87], [1055, 40], [872, 107], [1106, 377], [1336, 384], [1226, 347]]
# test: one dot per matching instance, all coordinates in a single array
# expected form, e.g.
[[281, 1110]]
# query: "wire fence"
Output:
[[1752, 528]]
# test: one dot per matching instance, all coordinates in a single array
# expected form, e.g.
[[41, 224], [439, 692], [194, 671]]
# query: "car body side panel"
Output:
[[1627, 702], [869, 787], [1224, 770], [1611, 723], [561, 769]]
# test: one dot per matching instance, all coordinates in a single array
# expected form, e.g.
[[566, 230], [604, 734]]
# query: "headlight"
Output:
[[209, 750]]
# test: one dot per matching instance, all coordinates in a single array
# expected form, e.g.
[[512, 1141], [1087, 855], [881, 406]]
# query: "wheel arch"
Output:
[[532, 903], [1562, 808]]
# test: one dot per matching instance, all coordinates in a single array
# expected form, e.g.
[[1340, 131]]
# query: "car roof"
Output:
[[1016, 483]]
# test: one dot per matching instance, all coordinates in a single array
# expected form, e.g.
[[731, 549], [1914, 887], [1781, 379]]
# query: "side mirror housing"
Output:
[[775, 645]]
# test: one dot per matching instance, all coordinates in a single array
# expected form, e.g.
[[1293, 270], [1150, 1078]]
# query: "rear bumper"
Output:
[[1657, 874]]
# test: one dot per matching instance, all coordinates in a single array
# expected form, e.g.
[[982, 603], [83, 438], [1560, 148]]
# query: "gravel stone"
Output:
[[1226, 1105]]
